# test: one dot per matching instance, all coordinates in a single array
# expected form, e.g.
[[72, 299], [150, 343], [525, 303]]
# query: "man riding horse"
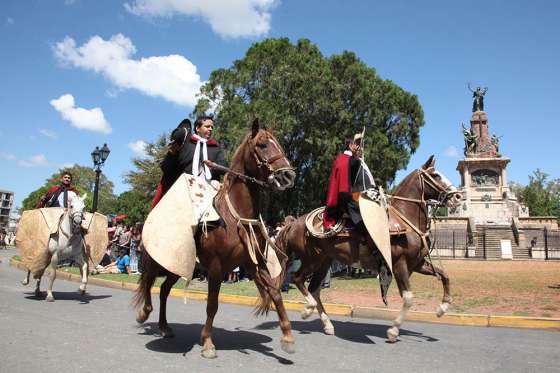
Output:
[[59, 195], [349, 176], [190, 153]]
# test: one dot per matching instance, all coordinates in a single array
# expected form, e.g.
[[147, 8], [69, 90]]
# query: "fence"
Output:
[[452, 243], [539, 243], [543, 243]]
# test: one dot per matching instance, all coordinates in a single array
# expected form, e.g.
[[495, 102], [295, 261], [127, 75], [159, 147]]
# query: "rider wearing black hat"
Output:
[[187, 153]]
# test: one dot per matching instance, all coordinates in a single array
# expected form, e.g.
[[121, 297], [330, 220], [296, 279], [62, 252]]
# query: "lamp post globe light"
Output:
[[99, 156]]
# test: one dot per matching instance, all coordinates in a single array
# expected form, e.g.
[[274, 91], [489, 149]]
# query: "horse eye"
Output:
[[262, 146]]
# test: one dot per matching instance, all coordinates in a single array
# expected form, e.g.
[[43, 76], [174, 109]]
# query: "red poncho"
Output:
[[339, 182]]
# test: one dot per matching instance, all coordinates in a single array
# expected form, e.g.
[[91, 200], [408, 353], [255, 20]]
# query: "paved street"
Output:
[[97, 333]]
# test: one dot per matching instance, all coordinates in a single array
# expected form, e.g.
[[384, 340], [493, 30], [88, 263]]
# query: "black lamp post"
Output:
[[99, 157]]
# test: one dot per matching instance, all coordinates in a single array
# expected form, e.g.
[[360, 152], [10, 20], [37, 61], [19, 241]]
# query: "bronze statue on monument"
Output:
[[471, 140], [478, 98]]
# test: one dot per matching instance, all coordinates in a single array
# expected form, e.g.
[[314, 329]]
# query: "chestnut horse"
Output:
[[408, 206], [259, 162]]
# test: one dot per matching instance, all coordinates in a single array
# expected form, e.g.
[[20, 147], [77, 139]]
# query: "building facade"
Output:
[[6, 203]]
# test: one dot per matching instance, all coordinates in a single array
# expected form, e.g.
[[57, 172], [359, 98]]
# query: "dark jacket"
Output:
[[173, 165], [50, 199]]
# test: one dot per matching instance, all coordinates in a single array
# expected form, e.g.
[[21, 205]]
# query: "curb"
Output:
[[377, 313]]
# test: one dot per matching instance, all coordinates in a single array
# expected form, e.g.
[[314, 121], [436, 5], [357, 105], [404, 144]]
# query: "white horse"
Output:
[[66, 243]]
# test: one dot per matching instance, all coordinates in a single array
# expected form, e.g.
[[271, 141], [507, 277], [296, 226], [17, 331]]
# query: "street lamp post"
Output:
[[99, 156]]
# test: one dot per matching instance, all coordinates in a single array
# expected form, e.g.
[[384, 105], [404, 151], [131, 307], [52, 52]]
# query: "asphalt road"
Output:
[[97, 333]]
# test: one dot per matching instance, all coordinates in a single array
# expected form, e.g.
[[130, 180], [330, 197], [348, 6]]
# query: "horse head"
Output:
[[76, 213], [265, 159], [437, 186]]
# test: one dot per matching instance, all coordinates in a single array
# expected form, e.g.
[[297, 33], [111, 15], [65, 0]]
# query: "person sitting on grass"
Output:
[[120, 265]]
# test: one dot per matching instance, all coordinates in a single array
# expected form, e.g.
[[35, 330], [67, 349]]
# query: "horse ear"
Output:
[[255, 128], [429, 163]]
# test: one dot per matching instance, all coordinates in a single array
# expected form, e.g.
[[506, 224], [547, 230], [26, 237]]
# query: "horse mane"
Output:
[[403, 184], [235, 161]]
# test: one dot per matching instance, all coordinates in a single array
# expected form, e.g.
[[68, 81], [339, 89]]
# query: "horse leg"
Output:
[[164, 329], [215, 277], [315, 289], [299, 281], [38, 287], [25, 281], [428, 269], [84, 270], [265, 281], [400, 270], [143, 293], [52, 267]]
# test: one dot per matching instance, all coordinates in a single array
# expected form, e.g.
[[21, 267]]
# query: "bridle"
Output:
[[443, 195], [425, 178], [75, 226], [264, 162]]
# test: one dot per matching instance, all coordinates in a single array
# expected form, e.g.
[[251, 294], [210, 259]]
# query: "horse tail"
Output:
[[265, 282], [150, 271]]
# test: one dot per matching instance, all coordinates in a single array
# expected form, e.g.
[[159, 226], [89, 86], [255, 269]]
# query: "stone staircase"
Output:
[[489, 238]]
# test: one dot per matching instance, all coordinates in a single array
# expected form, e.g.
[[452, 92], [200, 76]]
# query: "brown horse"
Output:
[[259, 162], [409, 207]]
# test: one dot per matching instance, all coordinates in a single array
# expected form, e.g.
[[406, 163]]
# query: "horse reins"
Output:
[[443, 195]]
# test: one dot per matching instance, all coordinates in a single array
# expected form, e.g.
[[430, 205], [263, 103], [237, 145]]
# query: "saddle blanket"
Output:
[[202, 195]]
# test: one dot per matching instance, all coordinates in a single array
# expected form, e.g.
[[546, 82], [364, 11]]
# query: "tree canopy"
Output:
[[313, 103], [540, 195], [83, 179]]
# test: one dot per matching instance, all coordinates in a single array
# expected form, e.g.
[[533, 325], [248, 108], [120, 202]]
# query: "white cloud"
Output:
[[228, 18], [172, 77], [33, 161], [451, 151], [8, 156], [138, 147], [48, 133], [88, 119], [9, 21]]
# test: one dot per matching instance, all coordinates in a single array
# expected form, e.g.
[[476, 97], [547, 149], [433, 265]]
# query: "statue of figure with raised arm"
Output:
[[471, 140], [478, 98]]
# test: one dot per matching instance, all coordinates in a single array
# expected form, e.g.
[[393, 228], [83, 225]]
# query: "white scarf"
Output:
[[196, 157]]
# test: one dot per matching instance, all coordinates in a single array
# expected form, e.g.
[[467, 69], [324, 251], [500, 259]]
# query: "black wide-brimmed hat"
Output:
[[180, 133]]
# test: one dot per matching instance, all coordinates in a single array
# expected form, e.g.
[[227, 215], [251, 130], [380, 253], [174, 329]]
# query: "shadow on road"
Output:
[[58, 296], [188, 335], [349, 330]]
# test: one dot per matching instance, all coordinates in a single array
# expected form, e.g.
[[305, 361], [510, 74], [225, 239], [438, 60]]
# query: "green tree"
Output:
[[313, 103], [540, 195], [147, 173], [135, 204], [83, 179]]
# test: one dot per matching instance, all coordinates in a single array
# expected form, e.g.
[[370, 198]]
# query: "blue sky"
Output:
[[76, 74]]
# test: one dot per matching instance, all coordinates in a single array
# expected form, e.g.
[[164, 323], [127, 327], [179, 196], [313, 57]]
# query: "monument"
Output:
[[484, 185], [490, 223]]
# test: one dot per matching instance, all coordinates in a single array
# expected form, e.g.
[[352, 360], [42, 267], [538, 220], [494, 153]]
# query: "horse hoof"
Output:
[[306, 313], [209, 353], [49, 298], [442, 309], [167, 332], [24, 282], [38, 293], [329, 331], [82, 291], [142, 316], [288, 346], [392, 334]]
